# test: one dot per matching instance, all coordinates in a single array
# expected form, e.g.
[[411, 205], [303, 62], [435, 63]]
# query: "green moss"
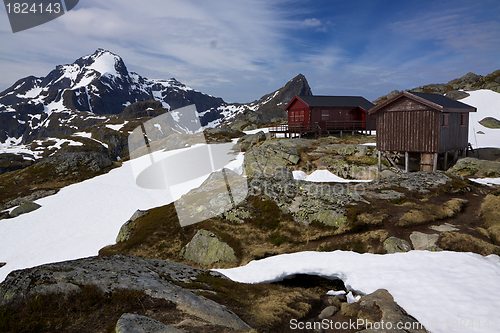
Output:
[[490, 122], [366, 160]]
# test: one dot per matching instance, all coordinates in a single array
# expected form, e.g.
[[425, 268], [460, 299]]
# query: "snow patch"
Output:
[[433, 287]]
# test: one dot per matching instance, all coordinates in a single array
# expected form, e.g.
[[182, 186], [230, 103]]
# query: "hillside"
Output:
[[456, 88]]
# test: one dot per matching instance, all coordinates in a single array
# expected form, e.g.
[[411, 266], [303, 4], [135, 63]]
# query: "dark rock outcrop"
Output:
[[156, 278]]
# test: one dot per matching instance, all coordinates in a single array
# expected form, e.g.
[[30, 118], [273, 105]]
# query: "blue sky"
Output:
[[241, 50]]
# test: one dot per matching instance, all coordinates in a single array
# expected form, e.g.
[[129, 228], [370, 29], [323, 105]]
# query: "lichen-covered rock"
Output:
[[156, 278], [269, 156], [420, 181], [395, 245], [220, 192], [284, 173], [342, 168], [343, 150], [206, 248], [384, 195], [471, 166], [249, 140], [306, 201], [132, 323], [129, 226], [24, 208], [32, 197]]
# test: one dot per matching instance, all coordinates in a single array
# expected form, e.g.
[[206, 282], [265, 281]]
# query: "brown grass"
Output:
[[429, 213], [454, 241], [490, 216]]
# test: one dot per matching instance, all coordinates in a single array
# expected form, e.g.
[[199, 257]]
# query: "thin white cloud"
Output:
[[316, 24], [455, 30]]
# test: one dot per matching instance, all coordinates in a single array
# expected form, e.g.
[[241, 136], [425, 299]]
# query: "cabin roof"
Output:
[[443, 101], [335, 101], [435, 101]]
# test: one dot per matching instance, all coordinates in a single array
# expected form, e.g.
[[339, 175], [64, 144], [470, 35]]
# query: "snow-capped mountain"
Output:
[[86, 93], [264, 109], [92, 86]]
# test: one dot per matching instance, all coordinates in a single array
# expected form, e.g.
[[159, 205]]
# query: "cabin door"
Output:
[[325, 117]]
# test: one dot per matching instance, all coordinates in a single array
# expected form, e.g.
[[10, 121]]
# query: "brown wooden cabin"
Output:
[[428, 126], [325, 114]]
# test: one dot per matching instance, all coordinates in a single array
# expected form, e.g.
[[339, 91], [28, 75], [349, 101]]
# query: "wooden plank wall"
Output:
[[455, 136], [411, 131]]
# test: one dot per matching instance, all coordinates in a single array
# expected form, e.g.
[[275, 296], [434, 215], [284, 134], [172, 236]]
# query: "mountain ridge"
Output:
[[456, 88]]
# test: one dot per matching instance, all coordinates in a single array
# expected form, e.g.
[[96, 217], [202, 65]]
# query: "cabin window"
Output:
[[301, 115], [446, 117], [463, 121], [325, 115]]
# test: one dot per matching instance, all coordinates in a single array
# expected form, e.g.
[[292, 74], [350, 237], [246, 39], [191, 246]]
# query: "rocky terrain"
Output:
[[455, 88], [157, 277]]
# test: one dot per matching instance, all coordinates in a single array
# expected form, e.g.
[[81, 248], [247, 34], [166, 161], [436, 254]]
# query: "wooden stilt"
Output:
[[445, 161], [379, 161], [407, 161], [434, 168]]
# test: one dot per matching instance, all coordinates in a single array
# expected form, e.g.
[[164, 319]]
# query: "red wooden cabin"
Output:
[[330, 113]]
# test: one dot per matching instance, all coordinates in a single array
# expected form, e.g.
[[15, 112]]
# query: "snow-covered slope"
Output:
[[83, 218], [445, 291], [487, 103]]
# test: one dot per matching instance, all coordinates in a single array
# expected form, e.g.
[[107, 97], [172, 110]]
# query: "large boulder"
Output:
[[24, 208], [474, 167], [129, 226], [423, 241], [221, 191], [395, 245], [206, 248], [247, 141], [156, 278], [269, 156], [307, 202]]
